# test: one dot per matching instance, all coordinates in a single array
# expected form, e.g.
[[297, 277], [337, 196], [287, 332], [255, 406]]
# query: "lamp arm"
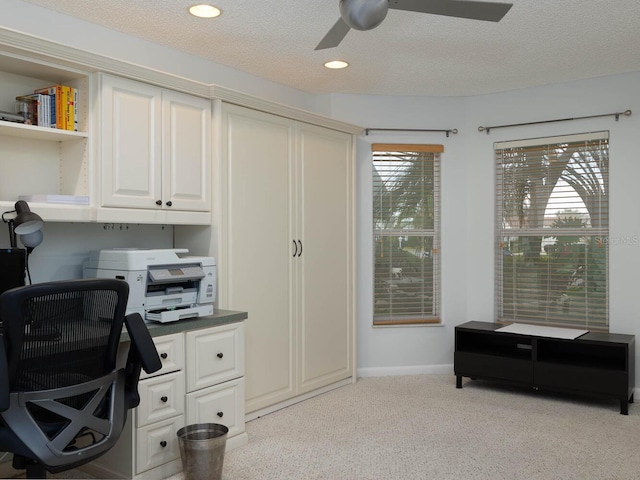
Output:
[[13, 239]]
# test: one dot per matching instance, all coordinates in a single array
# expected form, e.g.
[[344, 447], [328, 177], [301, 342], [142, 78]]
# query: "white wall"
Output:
[[383, 350], [66, 246], [468, 202]]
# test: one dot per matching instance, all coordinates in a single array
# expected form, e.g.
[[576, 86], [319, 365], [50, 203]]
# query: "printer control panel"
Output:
[[176, 272]]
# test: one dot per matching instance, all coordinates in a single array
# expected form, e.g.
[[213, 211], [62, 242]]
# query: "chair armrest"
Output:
[[142, 354], [4, 377], [142, 344]]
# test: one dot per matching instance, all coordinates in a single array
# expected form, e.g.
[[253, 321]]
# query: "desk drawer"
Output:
[[171, 351], [158, 443], [223, 403], [160, 398], [214, 355]]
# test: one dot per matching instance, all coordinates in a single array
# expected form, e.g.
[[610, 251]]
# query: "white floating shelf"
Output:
[[39, 133]]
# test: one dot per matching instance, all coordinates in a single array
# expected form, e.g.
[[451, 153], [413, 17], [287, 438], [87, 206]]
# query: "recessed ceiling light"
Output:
[[336, 64], [204, 11]]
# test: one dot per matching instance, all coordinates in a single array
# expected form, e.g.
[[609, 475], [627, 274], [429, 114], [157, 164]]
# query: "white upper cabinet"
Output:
[[186, 148], [155, 154]]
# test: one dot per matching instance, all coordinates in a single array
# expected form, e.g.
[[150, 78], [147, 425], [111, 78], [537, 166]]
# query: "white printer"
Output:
[[165, 285]]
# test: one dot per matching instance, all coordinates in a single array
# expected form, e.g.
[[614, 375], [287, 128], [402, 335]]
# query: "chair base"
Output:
[[33, 468]]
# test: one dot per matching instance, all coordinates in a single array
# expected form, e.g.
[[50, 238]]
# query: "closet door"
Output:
[[258, 249], [325, 271]]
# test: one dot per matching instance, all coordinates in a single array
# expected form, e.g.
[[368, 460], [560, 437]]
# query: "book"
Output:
[[49, 95], [55, 92], [75, 109], [67, 108], [71, 110]]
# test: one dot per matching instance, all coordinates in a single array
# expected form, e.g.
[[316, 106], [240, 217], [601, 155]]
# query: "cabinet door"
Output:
[[186, 151], [257, 247], [130, 143], [325, 268]]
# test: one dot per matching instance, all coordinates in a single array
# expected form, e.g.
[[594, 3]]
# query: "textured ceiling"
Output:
[[538, 42]]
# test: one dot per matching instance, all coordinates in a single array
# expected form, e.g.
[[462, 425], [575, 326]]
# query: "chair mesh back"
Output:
[[66, 339], [67, 400]]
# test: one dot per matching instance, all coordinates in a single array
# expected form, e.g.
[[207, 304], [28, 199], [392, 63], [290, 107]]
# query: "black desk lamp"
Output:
[[27, 225]]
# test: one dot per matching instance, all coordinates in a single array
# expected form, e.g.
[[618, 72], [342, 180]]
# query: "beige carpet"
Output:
[[422, 427]]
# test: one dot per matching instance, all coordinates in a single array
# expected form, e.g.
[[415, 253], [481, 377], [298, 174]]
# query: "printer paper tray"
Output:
[[178, 313]]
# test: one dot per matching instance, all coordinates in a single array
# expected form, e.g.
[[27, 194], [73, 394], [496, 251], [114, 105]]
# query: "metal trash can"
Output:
[[202, 450]]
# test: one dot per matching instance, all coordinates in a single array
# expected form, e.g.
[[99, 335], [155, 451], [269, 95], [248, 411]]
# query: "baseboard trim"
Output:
[[287, 403], [405, 370]]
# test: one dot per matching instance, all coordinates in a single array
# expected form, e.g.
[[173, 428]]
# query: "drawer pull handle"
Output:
[[163, 443], [164, 355], [164, 399], [220, 414], [220, 355]]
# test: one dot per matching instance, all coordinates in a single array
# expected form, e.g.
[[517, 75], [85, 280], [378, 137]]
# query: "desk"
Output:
[[201, 381], [219, 317]]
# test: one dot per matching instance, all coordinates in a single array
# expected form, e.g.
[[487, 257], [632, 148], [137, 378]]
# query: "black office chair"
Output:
[[63, 397]]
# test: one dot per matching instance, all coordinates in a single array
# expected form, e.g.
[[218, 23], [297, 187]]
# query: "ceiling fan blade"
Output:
[[334, 36], [488, 11]]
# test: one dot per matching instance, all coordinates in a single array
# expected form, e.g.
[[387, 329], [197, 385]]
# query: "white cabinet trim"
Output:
[[73, 58]]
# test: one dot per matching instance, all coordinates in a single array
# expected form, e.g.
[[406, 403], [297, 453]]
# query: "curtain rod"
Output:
[[448, 131], [617, 115]]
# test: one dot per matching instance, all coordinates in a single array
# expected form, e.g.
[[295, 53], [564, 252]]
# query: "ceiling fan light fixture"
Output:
[[336, 64], [363, 14], [204, 10]]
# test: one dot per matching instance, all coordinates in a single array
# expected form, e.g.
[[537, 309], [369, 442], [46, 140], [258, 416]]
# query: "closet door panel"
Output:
[[258, 153], [325, 308]]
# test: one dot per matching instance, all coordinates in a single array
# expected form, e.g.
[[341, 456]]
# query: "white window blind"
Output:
[[406, 223], [552, 247]]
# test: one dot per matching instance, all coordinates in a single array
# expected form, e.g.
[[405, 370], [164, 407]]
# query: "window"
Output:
[[406, 223], [552, 222]]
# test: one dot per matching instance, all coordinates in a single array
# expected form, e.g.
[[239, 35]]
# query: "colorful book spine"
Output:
[[71, 112], [75, 109], [66, 107], [63, 106], [57, 115]]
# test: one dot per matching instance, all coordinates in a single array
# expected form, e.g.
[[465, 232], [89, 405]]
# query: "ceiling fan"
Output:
[[368, 14]]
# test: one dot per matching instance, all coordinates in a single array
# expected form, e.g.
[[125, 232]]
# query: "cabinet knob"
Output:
[[220, 414], [158, 202], [163, 443], [169, 203], [164, 355], [220, 355], [164, 399]]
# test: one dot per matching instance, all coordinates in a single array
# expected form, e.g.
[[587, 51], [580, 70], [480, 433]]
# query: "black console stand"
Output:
[[598, 364]]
